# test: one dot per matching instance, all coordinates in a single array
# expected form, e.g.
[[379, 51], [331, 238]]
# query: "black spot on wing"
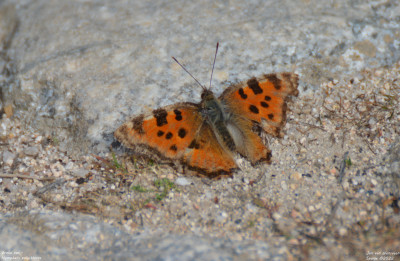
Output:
[[168, 136], [274, 80], [160, 133], [173, 147], [161, 117], [178, 115], [254, 109], [270, 116], [267, 98], [194, 145], [264, 104], [242, 94], [182, 133], [254, 86]]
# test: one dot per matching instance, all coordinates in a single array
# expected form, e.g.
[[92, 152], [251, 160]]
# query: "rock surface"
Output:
[[83, 67], [23, 237], [72, 71]]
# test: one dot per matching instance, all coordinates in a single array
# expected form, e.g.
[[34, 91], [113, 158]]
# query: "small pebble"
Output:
[[296, 176], [8, 158], [182, 181], [31, 151], [80, 172], [222, 216], [342, 231], [39, 139]]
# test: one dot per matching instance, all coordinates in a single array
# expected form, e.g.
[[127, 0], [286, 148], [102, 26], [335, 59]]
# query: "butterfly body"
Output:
[[216, 115], [206, 136]]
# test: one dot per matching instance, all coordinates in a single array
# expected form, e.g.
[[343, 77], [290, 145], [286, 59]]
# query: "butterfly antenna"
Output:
[[183, 67], [215, 57]]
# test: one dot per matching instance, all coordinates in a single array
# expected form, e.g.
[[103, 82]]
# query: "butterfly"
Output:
[[206, 136]]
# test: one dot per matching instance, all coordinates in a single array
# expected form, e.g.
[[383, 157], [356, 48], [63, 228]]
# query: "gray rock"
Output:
[[31, 151], [393, 163], [182, 181], [8, 158], [61, 236], [8, 24], [80, 172], [77, 69], [85, 67]]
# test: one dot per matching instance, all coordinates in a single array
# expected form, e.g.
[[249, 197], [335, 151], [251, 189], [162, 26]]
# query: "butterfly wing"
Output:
[[178, 133], [263, 99]]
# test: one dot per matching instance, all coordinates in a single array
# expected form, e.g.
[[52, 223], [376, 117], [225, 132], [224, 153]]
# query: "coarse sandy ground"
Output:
[[330, 192]]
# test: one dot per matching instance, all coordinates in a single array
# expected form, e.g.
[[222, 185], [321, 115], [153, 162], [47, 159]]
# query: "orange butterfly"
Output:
[[205, 136]]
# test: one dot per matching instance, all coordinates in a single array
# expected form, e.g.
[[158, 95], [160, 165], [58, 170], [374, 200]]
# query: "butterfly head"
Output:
[[207, 95], [210, 106]]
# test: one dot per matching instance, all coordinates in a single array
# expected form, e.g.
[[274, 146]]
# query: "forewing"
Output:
[[263, 99], [179, 133]]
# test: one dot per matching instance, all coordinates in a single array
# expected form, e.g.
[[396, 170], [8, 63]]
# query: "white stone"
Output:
[[80, 172], [8, 158], [181, 181], [31, 151]]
